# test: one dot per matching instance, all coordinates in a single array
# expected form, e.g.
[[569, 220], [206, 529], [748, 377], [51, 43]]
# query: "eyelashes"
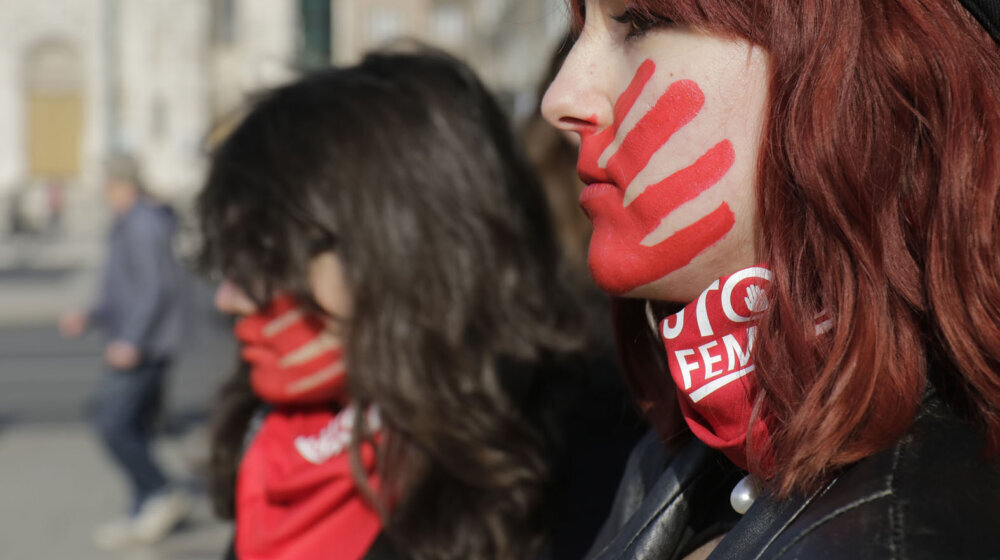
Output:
[[640, 22]]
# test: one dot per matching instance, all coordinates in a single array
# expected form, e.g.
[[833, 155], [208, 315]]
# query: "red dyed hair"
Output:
[[878, 188]]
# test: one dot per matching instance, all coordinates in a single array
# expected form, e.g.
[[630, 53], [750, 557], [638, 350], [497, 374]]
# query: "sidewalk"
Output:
[[41, 278], [56, 485]]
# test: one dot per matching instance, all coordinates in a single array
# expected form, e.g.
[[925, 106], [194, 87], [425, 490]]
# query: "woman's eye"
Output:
[[639, 23]]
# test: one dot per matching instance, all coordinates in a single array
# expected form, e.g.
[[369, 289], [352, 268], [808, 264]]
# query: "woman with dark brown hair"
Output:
[[798, 203], [422, 379]]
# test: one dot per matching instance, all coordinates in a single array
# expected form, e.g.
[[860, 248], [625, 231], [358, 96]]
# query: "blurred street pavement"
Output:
[[55, 482], [57, 485]]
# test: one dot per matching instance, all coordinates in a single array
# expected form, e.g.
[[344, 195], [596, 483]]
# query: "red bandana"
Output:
[[709, 347], [274, 341], [295, 496]]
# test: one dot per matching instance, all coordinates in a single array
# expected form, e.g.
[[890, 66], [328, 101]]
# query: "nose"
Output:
[[232, 300], [576, 101]]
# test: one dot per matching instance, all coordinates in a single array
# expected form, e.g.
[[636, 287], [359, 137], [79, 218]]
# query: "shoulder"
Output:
[[149, 218], [930, 495]]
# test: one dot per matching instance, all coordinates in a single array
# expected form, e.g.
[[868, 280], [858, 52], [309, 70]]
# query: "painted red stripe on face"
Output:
[[678, 106], [662, 198], [639, 265], [619, 232], [618, 260], [593, 145], [657, 201]]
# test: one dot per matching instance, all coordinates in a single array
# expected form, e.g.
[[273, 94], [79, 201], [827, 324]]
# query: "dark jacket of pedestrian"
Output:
[[139, 297]]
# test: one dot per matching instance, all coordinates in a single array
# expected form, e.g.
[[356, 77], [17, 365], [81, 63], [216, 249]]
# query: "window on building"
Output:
[[448, 23], [159, 119], [489, 12], [384, 23], [224, 22], [315, 39], [54, 81]]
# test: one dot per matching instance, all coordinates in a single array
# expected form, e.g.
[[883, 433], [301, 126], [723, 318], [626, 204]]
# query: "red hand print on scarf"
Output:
[[618, 260]]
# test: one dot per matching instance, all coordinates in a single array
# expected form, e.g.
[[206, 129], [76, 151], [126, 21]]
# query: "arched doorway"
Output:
[[53, 80]]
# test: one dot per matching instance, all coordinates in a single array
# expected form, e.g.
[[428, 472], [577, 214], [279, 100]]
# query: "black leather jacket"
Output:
[[929, 495]]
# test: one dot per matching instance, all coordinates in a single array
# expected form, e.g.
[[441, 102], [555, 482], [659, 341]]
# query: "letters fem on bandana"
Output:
[[709, 345]]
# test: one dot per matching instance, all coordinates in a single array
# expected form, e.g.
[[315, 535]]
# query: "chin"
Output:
[[668, 289], [613, 278], [681, 286]]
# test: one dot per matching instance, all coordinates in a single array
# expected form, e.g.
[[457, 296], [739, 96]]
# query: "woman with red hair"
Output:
[[798, 203]]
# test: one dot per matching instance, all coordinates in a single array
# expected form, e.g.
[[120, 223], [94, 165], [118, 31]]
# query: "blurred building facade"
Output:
[[81, 78], [507, 41]]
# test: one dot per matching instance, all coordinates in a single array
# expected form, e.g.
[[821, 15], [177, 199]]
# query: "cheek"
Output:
[[673, 177], [328, 281], [620, 258]]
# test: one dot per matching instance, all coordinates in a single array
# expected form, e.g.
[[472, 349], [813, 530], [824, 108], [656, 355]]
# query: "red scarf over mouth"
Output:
[[296, 497], [709, 345]]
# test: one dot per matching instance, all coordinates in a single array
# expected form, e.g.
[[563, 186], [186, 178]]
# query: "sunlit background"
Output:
[[161, 79]]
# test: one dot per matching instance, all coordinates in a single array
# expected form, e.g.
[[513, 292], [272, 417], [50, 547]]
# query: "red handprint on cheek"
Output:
[[618, 260]]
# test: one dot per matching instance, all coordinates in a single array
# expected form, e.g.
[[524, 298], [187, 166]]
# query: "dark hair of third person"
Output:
[[406, 168]]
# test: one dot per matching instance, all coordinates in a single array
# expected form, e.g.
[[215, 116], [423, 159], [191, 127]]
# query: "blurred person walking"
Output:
[[138, 310]]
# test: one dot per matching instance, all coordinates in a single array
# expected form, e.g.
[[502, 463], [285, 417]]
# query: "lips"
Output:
[[597, 195]]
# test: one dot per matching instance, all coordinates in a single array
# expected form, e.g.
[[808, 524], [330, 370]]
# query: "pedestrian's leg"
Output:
[[162, 510], [152, 479], [121, 420]]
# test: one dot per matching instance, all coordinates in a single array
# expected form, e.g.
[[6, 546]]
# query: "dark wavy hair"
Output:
[[879, 203], [406, 167]]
